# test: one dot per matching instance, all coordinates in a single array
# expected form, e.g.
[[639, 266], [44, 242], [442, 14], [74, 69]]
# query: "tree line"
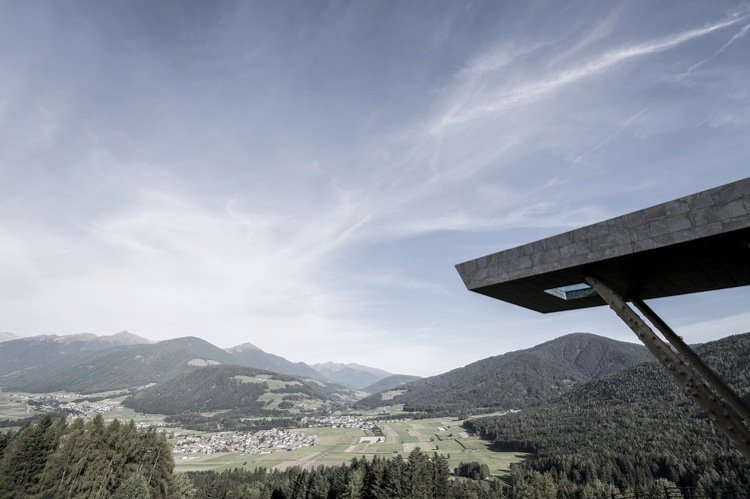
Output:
[[630, 431], [56, 459], [51, 460], [418, 476]]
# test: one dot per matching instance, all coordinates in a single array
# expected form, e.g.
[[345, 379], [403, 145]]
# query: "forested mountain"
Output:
[[88, 363], [518, 379], [213, 388], [352, 375], [24, 353], [248, 354], [389, 383], [117, 367], [632, 428]]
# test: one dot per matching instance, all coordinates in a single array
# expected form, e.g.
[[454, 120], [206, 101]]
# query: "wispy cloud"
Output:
[[535, 89], [742, 32], [716, 328], [611, 136]]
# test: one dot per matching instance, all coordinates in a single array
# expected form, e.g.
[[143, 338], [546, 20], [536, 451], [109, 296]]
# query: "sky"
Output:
[[305, 175]]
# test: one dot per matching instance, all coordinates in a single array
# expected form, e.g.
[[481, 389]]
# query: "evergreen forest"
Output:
[[57, 459]]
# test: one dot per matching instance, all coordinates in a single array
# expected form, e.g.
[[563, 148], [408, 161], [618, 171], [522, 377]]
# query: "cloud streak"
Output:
[[742, 32], [531, 91]]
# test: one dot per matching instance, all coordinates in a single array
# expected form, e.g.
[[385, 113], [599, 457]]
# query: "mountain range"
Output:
[[248, 354], [87, 363], [630, 428], [24, 354], [229, 387], [516, 379], [90, 364], [351, 374]]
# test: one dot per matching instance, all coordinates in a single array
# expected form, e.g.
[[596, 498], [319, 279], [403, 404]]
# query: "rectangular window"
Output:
[[572, 291]]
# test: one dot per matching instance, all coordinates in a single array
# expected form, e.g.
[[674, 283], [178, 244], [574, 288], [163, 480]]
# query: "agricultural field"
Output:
[[268, 379], [126, 414], [340, 445], [13, 406]]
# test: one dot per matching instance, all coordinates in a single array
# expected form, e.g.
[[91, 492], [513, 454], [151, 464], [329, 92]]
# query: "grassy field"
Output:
[[272, 383], [340, 445], [13, 406], [126, 414]]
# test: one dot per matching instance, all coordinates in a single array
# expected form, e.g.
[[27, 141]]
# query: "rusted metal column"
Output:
[[726, 419], [693, 360]]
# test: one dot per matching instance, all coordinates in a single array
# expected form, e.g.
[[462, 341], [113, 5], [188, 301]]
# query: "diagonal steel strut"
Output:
[[693, 360], [724, 416]]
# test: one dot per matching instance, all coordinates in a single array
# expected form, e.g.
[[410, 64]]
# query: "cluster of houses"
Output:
[[259, 442], [83, 409], [342, 421]]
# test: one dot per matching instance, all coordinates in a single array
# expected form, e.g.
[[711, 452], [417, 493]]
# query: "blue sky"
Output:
[[304, 175]]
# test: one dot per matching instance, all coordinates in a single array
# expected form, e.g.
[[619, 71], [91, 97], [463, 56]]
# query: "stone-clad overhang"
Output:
[[695, 243]]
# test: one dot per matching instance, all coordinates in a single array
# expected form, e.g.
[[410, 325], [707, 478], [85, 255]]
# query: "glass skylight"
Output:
[[572, 291]]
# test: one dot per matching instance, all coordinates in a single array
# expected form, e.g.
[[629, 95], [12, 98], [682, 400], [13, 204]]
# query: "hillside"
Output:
[[21, 354], [215, 388], [631, 428], [115, 367], [352, 375], [248, 354], [89, 363], [389, 383], [517, 379]]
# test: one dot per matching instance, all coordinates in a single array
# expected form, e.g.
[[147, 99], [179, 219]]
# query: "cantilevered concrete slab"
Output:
[[696, 243]]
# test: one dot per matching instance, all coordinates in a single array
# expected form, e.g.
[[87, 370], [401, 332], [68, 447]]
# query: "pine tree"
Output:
[[182, 487], [134, 487], [420, 475], [317, 486], [25, 459], [441, 476], [533, 485]]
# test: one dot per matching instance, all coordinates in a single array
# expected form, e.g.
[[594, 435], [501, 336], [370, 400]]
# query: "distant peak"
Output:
[[336, 366], [117, 339], [125, 337], [68, 338], [244, 347]]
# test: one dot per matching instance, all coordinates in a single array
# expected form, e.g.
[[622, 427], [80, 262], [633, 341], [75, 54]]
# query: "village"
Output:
[[343, 421], [83, 408], [259, 442]]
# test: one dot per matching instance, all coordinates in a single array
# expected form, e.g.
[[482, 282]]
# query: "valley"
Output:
[[320, 440], [577, 412]]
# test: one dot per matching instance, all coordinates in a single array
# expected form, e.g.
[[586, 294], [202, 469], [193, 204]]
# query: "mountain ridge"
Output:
[[389, 383], [88, 363], [227, 387], [517, 379], [350, 374], [631, 427]]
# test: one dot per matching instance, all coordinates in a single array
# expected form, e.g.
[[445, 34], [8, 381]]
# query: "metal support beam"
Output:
[[725, 417], [693, 360]]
